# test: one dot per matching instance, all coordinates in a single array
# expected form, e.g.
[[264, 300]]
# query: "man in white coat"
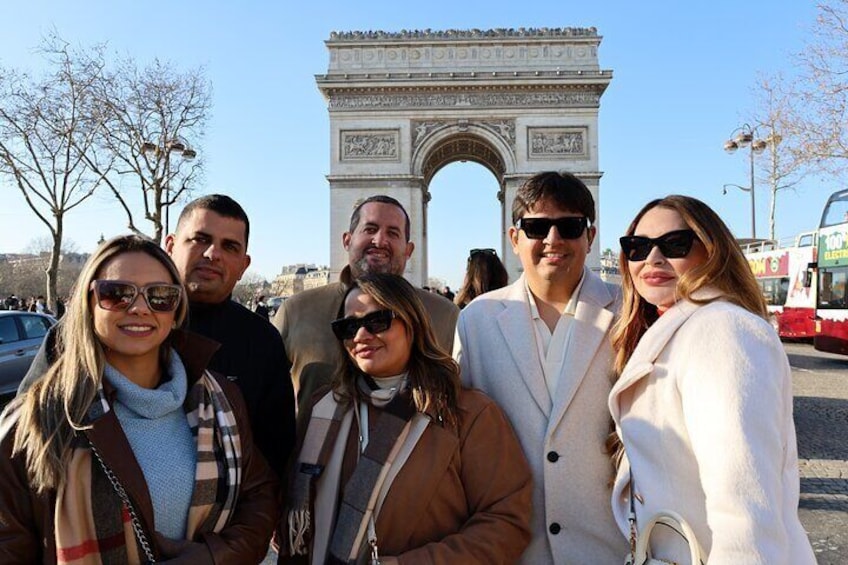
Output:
[[540, 347]]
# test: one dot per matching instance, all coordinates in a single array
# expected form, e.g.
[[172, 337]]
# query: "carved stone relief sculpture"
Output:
[[556, 142], [369, 145]]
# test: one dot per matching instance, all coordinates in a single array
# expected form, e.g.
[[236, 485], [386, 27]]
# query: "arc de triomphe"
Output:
[[405, 104]]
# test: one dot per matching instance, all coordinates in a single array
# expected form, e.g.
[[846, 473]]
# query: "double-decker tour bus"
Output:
[[788, 283], [832, 304]]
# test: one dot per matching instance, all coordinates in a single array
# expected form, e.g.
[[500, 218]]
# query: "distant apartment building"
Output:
[[43, 258], [609, 267], [297, 278]]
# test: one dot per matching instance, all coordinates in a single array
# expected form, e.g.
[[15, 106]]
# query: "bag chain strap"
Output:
[[125, 499], [631, 518]]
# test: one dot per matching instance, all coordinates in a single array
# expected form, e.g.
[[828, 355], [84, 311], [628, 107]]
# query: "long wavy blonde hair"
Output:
[[54, 408]]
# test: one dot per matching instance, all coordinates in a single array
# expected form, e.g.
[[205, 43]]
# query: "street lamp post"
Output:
[[166, 148], [745, 138]]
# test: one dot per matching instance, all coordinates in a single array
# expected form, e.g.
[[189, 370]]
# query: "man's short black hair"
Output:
[[564, 189], [222, 205], [382, 199]]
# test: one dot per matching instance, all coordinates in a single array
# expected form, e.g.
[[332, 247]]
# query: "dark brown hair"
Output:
[[564, 189]]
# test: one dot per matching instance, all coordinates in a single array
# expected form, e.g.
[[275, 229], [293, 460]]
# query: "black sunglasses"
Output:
[[539, 228], [673, 245], [375, 322], [488, 251], [120, 295]]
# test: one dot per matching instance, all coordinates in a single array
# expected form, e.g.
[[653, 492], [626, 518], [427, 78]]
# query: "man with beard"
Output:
[[377, 242]]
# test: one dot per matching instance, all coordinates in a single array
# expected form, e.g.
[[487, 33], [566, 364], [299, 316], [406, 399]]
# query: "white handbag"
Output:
[[640, 542], [641, 553]]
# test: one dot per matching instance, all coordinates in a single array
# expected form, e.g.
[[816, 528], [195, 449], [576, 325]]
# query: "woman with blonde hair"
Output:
[[399, 463], [127, 449], [703, 402]]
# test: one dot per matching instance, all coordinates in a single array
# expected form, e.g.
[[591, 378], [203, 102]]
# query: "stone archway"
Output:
[[403, 105]]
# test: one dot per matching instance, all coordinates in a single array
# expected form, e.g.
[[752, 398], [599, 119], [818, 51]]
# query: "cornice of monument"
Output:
[[462, 75], [463, 34]]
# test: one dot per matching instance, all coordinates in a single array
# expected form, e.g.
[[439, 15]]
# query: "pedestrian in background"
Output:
[[128, 449], [703, 401], [484, 272], [261, 308]]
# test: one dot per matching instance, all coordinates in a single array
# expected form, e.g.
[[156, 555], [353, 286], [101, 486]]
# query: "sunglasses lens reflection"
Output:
[[162, 298], [113, 295], [116, 295]]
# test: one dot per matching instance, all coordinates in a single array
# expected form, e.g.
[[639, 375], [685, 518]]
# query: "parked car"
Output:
[[273, 305], [21, 334]]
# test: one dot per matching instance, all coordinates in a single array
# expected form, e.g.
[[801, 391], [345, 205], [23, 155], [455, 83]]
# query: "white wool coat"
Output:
[[704, 408]]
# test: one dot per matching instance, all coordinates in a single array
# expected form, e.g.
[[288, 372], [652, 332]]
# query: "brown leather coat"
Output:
[[26, 519]]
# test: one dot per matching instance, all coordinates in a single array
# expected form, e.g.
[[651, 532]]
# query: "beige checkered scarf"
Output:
[[93, 526]]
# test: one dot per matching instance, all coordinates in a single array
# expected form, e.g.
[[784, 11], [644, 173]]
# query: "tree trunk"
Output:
[[53, 269]]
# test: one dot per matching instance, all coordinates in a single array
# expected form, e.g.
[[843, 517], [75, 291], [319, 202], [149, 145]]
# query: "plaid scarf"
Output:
[[340, 533], [93, 525]]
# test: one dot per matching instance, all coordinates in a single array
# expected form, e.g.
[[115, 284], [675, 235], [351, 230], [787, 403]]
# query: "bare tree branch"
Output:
[[45, 130]]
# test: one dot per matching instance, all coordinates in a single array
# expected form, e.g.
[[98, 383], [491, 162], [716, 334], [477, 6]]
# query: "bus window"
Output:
[[832, 285], [835, 213], [775, 291]]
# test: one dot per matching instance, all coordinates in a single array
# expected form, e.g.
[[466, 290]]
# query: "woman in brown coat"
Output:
[[399, 464]]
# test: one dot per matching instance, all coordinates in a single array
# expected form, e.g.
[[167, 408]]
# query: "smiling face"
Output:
[[552, 263], [380, 355], [131, 337], [656, 278], [378, 243], [210, 252]]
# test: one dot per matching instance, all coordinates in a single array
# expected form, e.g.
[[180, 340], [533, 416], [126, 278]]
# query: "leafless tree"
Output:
[[821, 91], [154, 122], [45, 128], [250, 286], [784, 164]]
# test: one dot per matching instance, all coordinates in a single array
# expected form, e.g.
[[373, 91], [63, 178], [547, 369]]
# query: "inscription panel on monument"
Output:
[[450, 100], [559, 142], [369, 145]]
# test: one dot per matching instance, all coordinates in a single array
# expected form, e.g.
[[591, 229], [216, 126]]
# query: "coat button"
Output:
[[555, 528], [553, 456]]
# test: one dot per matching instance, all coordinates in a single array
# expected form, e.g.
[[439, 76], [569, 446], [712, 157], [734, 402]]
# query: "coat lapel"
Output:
[[649, 348], [517, 327], [592, 320]]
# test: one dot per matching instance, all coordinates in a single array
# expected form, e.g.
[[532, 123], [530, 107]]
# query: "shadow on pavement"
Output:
[[824, 494], [817, 362], [821, 425]]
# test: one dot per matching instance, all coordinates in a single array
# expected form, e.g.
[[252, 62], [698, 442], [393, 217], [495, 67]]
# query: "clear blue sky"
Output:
[[683, 79]]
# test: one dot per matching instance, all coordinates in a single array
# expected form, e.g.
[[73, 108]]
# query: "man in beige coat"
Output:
[[377, 241], [540, 348]]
